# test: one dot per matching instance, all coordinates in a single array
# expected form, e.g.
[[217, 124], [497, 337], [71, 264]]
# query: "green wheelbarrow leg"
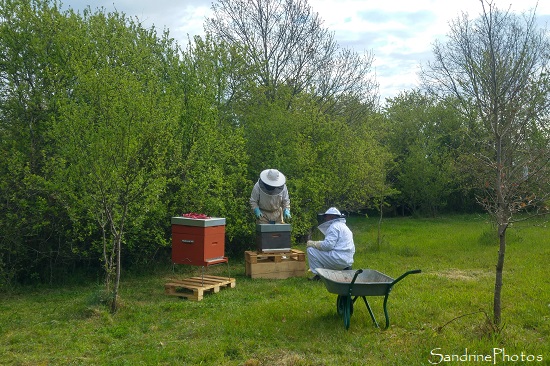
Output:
[[370, 311], [386, 310]]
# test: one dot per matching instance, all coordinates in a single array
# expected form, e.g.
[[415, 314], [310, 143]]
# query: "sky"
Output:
[[399, 33]]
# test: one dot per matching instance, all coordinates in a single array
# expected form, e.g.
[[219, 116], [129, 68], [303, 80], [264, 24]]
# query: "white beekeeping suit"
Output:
[[336, 251], [269, 199]]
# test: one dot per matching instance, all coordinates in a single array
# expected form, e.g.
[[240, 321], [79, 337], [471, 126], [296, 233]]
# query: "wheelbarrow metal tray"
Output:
[[368, 283]]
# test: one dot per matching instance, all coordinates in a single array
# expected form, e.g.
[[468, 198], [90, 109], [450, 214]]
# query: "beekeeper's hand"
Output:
[[314, 244], [257, 212], [286, 213]]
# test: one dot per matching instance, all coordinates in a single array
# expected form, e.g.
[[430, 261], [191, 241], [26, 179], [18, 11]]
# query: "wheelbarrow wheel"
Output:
[[341, 304], [344, 307]]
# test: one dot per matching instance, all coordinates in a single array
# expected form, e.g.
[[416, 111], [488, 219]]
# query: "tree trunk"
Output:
[[497, 309], [118, 253], [114, 303], [380, 222]]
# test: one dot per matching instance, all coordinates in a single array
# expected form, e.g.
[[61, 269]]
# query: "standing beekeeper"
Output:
[[337, 250], [269, 199]]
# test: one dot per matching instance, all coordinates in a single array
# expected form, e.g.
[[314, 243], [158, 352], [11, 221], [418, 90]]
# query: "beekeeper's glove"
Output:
[[314, 244], [286, 213], [257, 212]]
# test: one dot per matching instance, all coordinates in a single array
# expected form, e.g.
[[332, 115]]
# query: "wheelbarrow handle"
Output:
[[357, 273], [414, 271]]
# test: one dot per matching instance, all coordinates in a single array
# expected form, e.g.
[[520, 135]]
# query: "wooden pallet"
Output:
[[275, 265], [255, 257], [193, 288]]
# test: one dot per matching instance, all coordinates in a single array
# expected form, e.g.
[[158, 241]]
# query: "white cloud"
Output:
[[400, 33]]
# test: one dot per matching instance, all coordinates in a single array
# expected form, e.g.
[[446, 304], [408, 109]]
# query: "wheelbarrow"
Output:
[[349, 285]]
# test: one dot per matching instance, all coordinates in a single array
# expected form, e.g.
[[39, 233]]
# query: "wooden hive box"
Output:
[[273, 238], [198, 242]]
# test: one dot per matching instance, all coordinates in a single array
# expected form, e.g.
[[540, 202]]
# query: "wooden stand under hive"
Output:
[[193, 288], [275, 265]]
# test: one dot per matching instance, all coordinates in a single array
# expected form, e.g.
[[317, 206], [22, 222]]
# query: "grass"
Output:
[[436, 317]]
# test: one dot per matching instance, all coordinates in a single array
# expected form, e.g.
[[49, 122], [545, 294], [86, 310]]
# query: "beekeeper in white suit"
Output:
[[269, 199], [337, 250]]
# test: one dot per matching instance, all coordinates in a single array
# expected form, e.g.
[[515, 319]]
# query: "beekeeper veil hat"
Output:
[[272, 177], [333, 211]]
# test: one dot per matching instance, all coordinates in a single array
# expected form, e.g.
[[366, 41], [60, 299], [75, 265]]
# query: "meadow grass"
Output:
[[436, 316]]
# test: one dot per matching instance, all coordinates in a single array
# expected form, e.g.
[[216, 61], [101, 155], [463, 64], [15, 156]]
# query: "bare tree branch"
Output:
[[497, 66], [287, 41]]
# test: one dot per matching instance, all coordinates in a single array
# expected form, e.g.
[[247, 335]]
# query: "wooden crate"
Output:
[[193, 288], [275, 265]]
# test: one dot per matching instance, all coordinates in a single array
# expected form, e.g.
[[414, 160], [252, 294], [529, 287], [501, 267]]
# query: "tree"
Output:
[[32, 224], [286, 41], [114, 135], [497, 66], [327, 160], [209, 175], [426, 139]]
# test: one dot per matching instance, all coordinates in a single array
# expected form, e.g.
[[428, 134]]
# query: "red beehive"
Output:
[[198, 242]]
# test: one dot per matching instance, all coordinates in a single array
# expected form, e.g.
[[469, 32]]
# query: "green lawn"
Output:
[[437, 317]]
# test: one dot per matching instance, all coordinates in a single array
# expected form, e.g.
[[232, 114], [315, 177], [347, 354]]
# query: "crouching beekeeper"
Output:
[[337, 250], [269, 199]]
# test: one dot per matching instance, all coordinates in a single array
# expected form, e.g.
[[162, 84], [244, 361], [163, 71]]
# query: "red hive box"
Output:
[[198, 242]]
